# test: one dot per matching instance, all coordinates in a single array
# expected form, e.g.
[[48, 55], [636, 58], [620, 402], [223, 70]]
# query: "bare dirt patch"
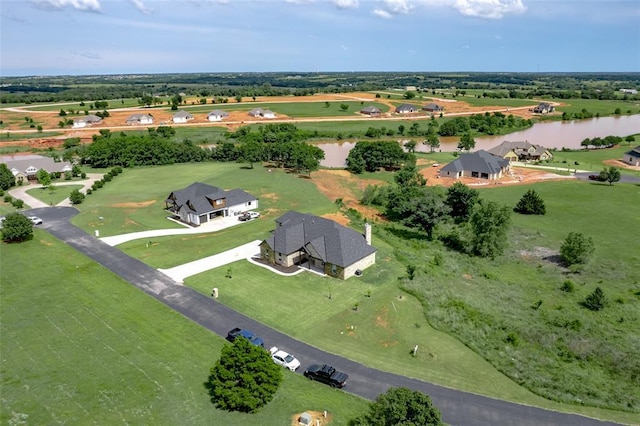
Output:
[[382, 319], [517, 176], [317, 418], [134, 205], [621, 164]]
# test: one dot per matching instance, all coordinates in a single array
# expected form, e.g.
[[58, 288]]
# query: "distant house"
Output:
[[370, 110], [479, 164], [182, 117], [199, 203], [543, 108], [632, 157], [432, 108], [87, 120], [264, 113], [520, 151], [217, 115], [321, 244], [629, 91], [406, 109], [25, 167], [139, 119]]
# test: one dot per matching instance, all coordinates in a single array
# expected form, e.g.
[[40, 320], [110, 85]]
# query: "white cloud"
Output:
[[142, 8], [393, 7], [346, 4], [343, 47], [466, 46], [489, 9], [299, 1], [81, 5], [382, 13]]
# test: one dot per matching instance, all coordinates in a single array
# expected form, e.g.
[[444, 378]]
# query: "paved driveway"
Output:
[[458, 408]]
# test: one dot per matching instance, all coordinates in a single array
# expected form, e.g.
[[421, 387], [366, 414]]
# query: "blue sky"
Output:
[[76, 37]]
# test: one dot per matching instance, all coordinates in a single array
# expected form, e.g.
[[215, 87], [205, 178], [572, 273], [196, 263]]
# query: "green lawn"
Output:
[[506, 102], [592, 160], [295, 109], [596, 106], [83, 347], [8, 137], [53, 195], [113, 104]]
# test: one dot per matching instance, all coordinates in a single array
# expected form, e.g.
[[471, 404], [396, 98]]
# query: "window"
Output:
[[334, 269], [218, 202]]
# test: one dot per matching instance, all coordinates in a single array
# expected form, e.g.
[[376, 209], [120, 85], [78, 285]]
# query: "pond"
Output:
[[552, 134]]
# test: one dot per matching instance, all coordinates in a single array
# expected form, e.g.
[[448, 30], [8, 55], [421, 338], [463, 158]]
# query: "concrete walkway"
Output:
[[245, 251], [213, 226]]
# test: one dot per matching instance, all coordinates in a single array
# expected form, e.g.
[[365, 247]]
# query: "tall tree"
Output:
[[16, 228], [489, 225], [251, 152], [410, 146], [467, 142], [461, 199], [7, 180], [244, 378], [44, 178], [400, 407], [530, 203], [433, 141], [419, 207]]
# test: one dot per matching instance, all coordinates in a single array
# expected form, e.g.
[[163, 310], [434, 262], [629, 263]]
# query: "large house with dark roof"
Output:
[[321, 244], [479, 164], [25, 167], [632, 157], [520, 151], [406, 109], [432, 108], [199, 203], [370, 110]]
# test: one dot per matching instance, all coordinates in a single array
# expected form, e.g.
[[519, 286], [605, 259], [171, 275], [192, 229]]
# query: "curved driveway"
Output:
[[458, 408]]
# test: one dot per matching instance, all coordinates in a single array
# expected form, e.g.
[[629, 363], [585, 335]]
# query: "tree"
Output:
[[244, 378], [238, 98], [7, 180], [16, 228], [44, 178], [344, 107], [466, 142], [595, 301], [410, 146], [401, 129], [530, 203], [576, 248], [417, 206], [251, 152], [611, 174], [409, 95], [400, 407], [489, 224], [461, 199], [630, 139], [76, 197], [433, 141]]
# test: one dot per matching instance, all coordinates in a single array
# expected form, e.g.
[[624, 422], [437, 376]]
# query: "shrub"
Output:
[[568, 286], [512, 339], [576, 248], [8, 198], [18, 203], [16, 228], [530, 203], [76, 197], [83, 175], [595, 301]]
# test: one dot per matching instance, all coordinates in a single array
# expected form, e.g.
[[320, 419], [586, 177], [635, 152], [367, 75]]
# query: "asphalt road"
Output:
[[457, 407], [623, 178]]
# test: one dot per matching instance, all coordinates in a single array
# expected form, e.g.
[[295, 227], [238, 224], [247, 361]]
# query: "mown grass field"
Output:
[[53, 195], [479, 302], [296, 109], [8, 137], [83, 347], [596, 106]]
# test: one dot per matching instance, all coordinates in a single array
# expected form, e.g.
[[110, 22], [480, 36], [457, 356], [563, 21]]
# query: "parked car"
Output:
[[284, 359], [254, 215], [595, 177], [35, 220], [326, 374], [233, 334], [244, 217]]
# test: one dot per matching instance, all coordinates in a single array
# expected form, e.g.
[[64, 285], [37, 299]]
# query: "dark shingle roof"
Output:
[[370, 110], [197, 197], [406, 107], [322, 238], [635, 152], [479, 161]]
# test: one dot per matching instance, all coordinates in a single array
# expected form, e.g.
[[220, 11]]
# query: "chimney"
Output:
[[367, 233]]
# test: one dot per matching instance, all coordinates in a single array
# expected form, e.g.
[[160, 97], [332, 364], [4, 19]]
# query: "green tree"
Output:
[[238, 98], [244, 378], [409, 95], [576, 248], [401, 129], [400, 407], [461, 199], [467, 142], [611, 174], [76, 197], [531, 203], [489, 225], [7, 180], [344, 107], [595, 301], [251, 152], [630, 139], [419, 207], [62, 113], [433, 141], [44, 178], [16, 228], [410, 146]]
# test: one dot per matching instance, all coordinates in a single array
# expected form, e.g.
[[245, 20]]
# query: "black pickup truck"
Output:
[[326, 374]]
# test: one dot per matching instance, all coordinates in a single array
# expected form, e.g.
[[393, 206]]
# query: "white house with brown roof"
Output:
[[182, 117], [86, 121], [139, 119]]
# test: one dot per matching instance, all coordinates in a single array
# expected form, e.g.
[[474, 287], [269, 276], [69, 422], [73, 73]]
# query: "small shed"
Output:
[[305, 419]]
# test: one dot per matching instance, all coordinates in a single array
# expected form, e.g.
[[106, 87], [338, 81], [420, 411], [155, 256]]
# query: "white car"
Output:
[[254, 215], [35, 220], [285, 359]]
